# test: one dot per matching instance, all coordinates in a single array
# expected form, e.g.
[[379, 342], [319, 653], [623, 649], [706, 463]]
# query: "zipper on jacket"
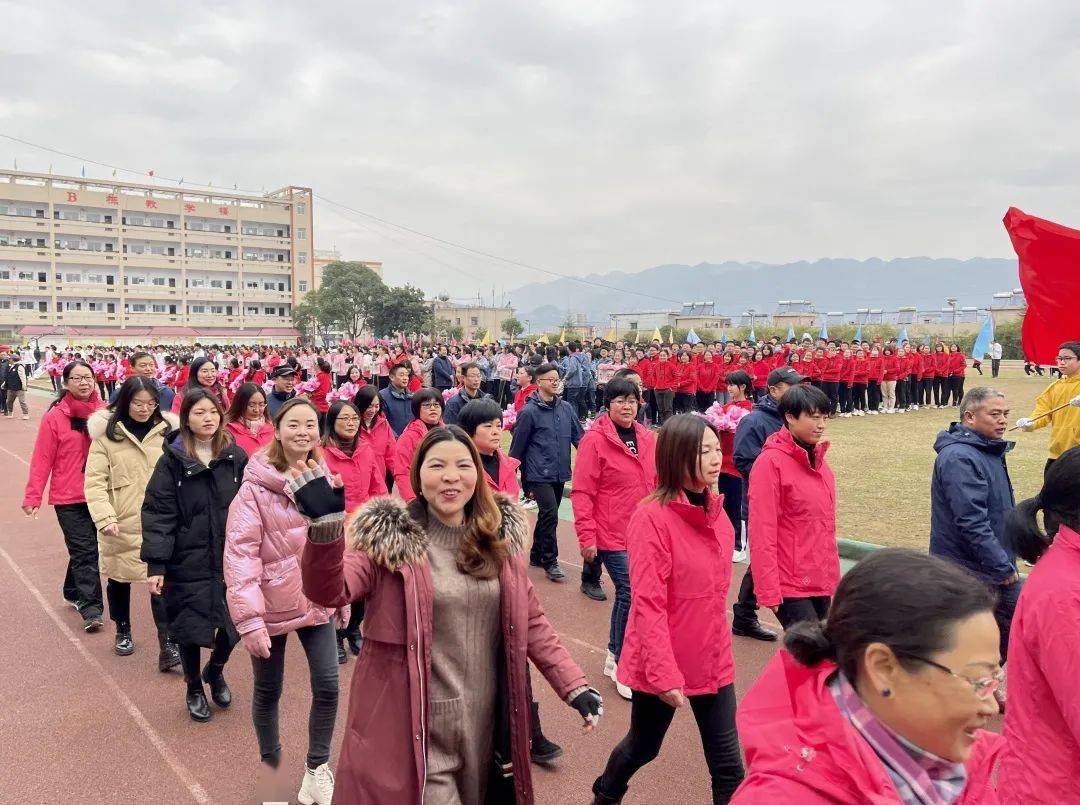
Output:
[[420, 678]]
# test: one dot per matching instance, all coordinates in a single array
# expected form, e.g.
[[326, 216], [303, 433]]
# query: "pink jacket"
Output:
[[360, 472], [609, 481], [1042, 721], [677, 635], [792, 516], [382, 442], [60, 452], [386, 567], [264, 539], [407, 443], [800, 749], [245, 441], [508, 482]]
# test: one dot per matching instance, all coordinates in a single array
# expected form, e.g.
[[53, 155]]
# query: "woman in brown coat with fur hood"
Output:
[[439, 710]]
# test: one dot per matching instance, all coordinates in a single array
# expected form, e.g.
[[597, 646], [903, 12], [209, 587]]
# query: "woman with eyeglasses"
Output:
[[1065, 391], [427, 411], [203, 375], [246, 419], [1042, 723], [886, 700], [60, 452]]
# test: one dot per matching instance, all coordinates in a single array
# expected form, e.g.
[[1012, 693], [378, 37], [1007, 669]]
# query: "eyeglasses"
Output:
[[349, 420], [1066, 358], [984, 687], [80, 379], [143, 406], [430, 404]]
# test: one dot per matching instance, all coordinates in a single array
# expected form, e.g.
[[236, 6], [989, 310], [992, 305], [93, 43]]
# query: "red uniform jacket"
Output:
[[685, 377], [663, 375]]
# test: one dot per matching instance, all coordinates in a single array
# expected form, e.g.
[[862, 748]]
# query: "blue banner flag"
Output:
[[790, 333], [824, 332], [902, 337], [983, 339], [858, 333], [692, 337]]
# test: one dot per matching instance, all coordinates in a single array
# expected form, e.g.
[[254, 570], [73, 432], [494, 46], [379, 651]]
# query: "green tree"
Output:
[[401, 308], [512, 327], [312, 318], [350, 293]]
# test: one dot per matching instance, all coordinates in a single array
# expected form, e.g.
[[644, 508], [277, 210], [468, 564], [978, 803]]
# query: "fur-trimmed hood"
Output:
[[95, 425], [392, 532]]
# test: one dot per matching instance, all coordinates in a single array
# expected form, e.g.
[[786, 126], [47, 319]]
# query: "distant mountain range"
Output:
[[832, 284]]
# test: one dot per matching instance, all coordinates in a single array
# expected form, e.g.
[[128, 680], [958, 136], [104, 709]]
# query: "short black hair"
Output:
[[620, 387], [625, 372], [476, 412], [803, 399], [741, 378], [465, 367], [423, 396], [397, 366], [529, 370], [544, 368]]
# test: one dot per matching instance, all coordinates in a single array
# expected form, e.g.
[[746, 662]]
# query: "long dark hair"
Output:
[[678, 454], [363, 399], [66, 374], [240, 402], [1059, 502], [222, 438], [908, 600], [120, 408], [193, 375], [332, 413]]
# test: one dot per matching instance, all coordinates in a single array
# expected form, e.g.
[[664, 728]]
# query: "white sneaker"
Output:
[[609, 665], [611, 668], [529, 505], [624, 691], [318, 786], [738, 557]]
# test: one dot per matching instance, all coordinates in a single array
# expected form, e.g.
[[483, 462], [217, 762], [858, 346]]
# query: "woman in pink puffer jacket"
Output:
[[264, 541]]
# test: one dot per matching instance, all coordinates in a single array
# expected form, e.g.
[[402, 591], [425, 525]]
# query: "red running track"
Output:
[[82, 725]]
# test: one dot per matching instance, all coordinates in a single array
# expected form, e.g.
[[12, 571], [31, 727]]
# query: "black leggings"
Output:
[[926, 387], [832, 391], [705, 399], [684, 402], [190, 658], [844, 394], [119, 597], [649, 722], [956, 386], [873, 394], [858, 396]]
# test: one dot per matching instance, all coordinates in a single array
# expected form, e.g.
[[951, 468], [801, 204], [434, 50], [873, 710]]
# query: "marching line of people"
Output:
[[272, 516]]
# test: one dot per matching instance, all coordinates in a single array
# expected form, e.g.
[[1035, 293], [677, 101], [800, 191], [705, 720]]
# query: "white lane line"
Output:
[[198, 793]]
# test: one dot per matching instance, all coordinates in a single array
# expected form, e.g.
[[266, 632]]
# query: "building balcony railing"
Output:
[[99, 228], [93, 317], [151, 260], [268, 266], [86, 289], [261, 294], [12, 251], [25, 222], [212, 263], [146, 290], [86, 257], [17, 288], [212, 294], [17, 316]]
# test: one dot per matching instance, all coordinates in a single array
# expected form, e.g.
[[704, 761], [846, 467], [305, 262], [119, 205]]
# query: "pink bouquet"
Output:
[[724, 420], [446, 395], [238, 381], [268, 386], [346, 391], [509, 417], [307, 386]]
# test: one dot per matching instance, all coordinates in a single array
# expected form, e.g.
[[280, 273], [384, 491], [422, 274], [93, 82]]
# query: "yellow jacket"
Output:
[[1066, 422]]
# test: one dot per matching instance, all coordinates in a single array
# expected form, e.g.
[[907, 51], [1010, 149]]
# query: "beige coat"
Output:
[[116, 476]]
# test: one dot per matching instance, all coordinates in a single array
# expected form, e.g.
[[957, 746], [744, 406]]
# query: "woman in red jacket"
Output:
[[246, 419], [860, 377], [677, 648], [324, 382], [614, 471], [708, 372], [1042, 723], [845, 382], [427, 410], [730, 483], [663, 384], [875, 374], [685, 383], [831, 370], [957, 371], [759, 369], [792, 512], [940, 365], [727, 364], [60, 452], [204, 375], [376, 431], [886, 701]]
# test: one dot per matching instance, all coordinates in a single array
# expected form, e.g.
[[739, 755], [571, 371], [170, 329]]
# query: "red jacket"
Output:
[[407, 443], [759, 371], [646, 368], [928, 367], [800, 749], [812, 368], [677, 635], [860, 370], [792, 515], [60, 452], [727, 441], [708, 375], [686, 377], [831, 367], [876, 365], [508, 482], [892, 367], [847, 371], [318, 396], [663, 375], [382, 442], [609, 481], [1042, 721], [957, 364], [360, 472], [386, 567], [245, 441], [941, 364]]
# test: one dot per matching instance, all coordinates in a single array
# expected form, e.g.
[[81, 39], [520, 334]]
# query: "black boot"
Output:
[[542, 750], [169, 656], [342, 657], [355, 641], [601, 797], [197, 706], [123, 645], [219, 691]]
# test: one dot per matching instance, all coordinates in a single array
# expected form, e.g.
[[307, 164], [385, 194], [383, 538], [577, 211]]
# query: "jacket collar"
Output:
[[961, 434], [606, 426], [767, 405], [192, 466], [784, 441], [695, 515]]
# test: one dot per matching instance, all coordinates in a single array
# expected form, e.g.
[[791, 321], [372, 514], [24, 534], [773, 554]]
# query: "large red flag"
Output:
[[1050, 276]]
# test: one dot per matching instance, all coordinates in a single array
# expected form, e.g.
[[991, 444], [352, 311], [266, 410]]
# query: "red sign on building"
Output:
[[72, 196], [151, 204], [189, 208], [112, 200], [223, 210]]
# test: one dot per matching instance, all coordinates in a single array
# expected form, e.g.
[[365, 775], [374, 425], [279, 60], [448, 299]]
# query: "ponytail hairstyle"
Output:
[[1059, 502], [909, 601]]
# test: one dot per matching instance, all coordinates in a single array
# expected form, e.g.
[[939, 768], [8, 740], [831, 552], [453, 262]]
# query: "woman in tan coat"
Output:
[[128, 438]]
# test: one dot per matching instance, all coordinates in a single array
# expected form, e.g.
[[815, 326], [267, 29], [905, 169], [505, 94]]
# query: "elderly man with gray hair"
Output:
[[971, 495]]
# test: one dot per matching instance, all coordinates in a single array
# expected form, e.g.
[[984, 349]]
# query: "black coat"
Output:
[[183, 538]]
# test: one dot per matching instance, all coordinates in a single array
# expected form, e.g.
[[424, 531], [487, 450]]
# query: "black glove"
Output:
[[590, 705], [315, 498]]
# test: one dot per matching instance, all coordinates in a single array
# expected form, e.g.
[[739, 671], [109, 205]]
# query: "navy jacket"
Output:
[[577, 370], [750, 435], [970, 496], [398, 409], [165, 395], [442, 372], [543, 434], [454, 405]]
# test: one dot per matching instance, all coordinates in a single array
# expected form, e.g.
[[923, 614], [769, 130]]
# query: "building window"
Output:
[[217, 283], [251, 311], [302, 284], [217, 309], [302, 257], [251, 285], [95, 278], [301, 208], [137, 279], [159, 308], [158, 281], [301, 233], [474, 321], [5, 304], [269, 311], [196, 308], [73, 278], [137, 307], [26, 305]]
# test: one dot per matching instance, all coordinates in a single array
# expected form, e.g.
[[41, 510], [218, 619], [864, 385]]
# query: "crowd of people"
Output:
[[361, 498]]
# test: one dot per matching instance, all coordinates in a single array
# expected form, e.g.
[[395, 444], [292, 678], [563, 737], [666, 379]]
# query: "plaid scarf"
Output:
[[920, 777]]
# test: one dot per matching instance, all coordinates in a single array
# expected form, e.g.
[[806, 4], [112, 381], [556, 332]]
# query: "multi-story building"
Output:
[[324, 257], [116, 262], [474, 320]]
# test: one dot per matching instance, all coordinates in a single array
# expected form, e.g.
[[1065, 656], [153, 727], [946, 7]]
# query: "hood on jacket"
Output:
[[768, 405], [783, 440], [962, 434], [95, 425], [391, 531], [260, 471]]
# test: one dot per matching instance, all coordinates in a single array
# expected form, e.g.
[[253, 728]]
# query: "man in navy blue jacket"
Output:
[[442, 371], [971, 495], [544, 432]]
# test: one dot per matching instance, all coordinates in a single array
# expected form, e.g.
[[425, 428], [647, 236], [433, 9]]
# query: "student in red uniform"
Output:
[[727, 364], [708, 373], [677, 648], [759, 370], [817, 368], [909, 378], [246, 419], [730, 484], [927, 373], [325, 382], [875, 374], [891, 389], [831, 370], [844, 384], [957, 371], [860, 377], [941, 375], [646, 371], [376, 431], [526, 383], [663, 377], [685, 383]]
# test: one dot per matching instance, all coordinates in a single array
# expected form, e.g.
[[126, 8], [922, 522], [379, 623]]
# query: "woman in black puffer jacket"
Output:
[[183, 541]]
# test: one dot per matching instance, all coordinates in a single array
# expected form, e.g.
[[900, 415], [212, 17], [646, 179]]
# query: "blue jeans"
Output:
[[618, 567], [1003, 612]]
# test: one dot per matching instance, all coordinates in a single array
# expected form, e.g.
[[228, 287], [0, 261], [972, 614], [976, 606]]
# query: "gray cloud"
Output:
[[583, 137]]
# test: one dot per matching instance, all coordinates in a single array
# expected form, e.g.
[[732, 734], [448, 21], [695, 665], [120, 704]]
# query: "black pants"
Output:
[[684, 402], [356, 617], [995, 366], [219, 655], [731, 487], [119, 596], [926, 386], [873, 395], [913, 390], [956, 385], [796, 610], [843, 393], [941, 390], [545, 547], [665, 402], [832, 391], [858, 396], [746, 606], [590, 571], [82, 583], [901, 394], [319, 646], [649, 722], [705, 399], [650, 406], [1048, 465]]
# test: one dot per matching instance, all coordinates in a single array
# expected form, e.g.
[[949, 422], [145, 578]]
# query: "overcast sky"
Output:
[[577, 136]]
